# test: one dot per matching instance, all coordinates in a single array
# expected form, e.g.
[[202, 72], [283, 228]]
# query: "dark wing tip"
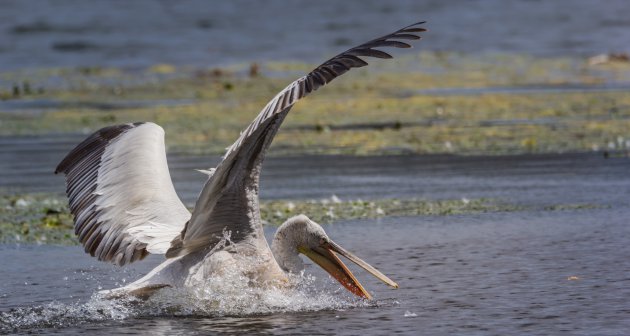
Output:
[[96, 141], [351, 58], [81, 167], [413, 25]]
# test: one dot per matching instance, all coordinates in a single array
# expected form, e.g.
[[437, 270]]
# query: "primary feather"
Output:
[[121, 195]]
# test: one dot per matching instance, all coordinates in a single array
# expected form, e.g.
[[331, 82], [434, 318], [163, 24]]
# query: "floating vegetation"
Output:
[[331, 210], [45, 219], [35, 218], [431, 102]]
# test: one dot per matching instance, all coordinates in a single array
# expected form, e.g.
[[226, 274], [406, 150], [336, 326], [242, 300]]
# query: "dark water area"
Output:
[[27, 165], [71, 33], [523, 272]]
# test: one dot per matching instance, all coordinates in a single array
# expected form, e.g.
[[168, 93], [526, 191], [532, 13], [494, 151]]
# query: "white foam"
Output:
[[410, 314], [230, 294], [55, 314]]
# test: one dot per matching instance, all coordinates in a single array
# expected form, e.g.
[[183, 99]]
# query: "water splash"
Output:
[[410, 314], [228, 295], [56, 314], [242, 301]]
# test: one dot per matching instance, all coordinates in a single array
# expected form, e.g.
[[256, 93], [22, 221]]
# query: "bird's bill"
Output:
[[326, 257]]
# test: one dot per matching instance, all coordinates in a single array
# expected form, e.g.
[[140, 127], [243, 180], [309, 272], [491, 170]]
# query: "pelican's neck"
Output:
[[286, 241]]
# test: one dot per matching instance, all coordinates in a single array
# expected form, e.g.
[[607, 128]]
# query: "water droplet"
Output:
[[410, 314]]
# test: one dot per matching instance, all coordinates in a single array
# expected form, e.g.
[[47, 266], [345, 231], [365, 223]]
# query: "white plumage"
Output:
[[123, 199], [125, 206]]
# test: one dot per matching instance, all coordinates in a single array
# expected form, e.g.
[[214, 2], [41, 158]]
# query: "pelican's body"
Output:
[[192, 269], [125, 206]]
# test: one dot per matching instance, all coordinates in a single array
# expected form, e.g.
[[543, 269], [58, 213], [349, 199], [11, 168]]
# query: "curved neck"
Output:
[[285, 244]]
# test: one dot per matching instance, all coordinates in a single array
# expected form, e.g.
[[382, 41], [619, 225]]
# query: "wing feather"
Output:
[[121, 195], [226, 206]]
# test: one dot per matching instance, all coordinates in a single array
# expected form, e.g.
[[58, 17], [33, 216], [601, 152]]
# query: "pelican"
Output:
[[125, 206]]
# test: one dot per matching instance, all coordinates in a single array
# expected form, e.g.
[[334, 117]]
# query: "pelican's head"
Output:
[[299, 234]]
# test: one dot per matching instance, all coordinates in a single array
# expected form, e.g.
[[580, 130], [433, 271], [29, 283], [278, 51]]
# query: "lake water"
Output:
[[527, 272], [27, 164], [482, 274], [70, 33]]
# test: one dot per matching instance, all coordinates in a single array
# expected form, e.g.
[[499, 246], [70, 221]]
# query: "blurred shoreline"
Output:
[[196, 33]]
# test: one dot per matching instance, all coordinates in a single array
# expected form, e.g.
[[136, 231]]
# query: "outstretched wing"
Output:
[[325, 73], [229, 199], [121, 195]]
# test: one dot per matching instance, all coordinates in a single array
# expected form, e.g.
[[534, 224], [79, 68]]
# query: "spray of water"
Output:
[[230, 294]]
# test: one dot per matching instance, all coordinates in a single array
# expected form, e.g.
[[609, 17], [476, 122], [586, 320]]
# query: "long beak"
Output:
[[326, 257]]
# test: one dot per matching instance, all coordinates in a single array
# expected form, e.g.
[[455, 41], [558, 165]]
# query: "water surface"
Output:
[[27, 164], [481, 274], [524, 272], [71, 33]]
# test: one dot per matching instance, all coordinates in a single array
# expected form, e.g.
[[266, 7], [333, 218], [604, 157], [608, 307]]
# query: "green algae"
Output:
[[203, 110], [331, 210], [45, 218], [35, 218]]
